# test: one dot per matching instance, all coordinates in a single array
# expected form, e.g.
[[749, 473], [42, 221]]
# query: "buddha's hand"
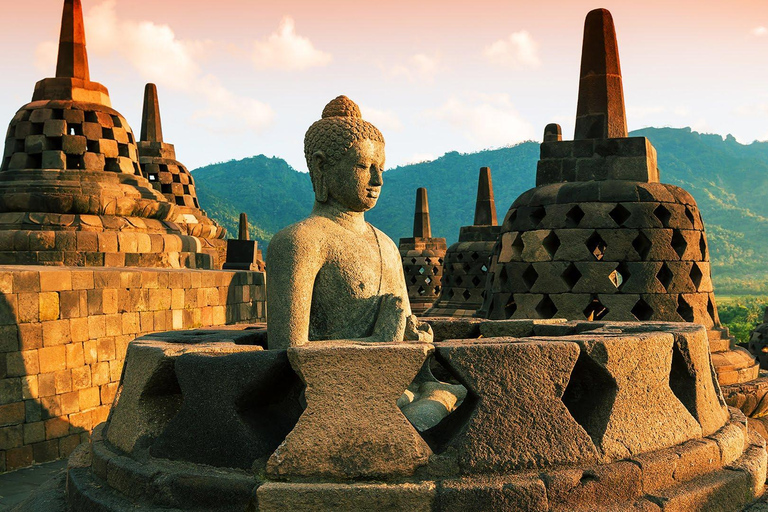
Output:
[[416, 330], [391, 320]]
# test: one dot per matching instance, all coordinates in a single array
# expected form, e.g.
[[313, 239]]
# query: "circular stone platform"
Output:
[[559, 416]]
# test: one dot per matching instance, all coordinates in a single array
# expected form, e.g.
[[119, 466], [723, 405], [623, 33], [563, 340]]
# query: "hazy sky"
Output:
[[238, 78]]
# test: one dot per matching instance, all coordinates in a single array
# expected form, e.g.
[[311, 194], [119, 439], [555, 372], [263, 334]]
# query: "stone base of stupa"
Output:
[[558, 416]]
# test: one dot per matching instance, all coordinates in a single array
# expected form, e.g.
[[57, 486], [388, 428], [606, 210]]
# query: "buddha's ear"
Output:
[[316, 172]]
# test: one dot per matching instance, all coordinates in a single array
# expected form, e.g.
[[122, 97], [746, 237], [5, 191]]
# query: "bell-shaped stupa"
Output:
[[422, 258], [71, 189], [466, 262], [599, 237], [171, 178]]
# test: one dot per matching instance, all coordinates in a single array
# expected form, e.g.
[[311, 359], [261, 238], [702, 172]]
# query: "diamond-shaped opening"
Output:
[[427, 280], [466, 267], [678, 243], [413, 280], [642, 245], [620, 215], [460, 256], [684, 309], [642, 310], [663, 214], [711, 311], [589, 396], [458, 280], [546, 308], [530, 276], [595, 310], [413, 261], [474, 256], [537, 215], [620, 276], [696, 276], [682, 380], [451, 293], [421, 290], [484, 268], [551, 244], [573, 217], [422, 270], [466, 294], [510, 307], [427, 261], [665, 275], [571, 276], [503, 276], [518, 245], [596, 246], [511, 217], [476, 281], [689, 214], [437, 403], [703, 246]]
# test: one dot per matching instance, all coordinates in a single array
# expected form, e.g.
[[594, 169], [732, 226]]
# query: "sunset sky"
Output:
[[238, 78]]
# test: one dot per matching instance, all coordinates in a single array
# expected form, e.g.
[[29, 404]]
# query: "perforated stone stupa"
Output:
[[599, 237], [466, 262], [422, 258], [71, 189], [170, 177]]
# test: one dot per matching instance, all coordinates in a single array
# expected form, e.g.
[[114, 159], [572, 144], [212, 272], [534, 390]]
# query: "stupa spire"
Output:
[[151, 127], [421, 225], [485, 208], [73, 58], [600, 113]]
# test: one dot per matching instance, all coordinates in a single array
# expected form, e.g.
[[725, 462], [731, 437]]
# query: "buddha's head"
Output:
[[345, 156]]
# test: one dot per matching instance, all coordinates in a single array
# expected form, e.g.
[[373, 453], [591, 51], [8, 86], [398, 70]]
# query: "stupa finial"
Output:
[[73, 58], [485, 209], [600, 113], [421, 225], [151, 127]]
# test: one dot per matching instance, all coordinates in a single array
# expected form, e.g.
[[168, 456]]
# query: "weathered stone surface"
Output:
[[515, 414], [611, 484], [149, 394], [249, 403], [285, 497], [492, 493], [351, 394], [635, 378]]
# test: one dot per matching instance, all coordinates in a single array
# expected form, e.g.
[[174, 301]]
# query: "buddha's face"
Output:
[[355, 180]]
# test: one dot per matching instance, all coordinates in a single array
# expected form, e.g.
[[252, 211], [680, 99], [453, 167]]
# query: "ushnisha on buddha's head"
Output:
[[345, 156]]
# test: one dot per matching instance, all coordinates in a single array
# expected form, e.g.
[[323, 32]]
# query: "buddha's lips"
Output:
[[374, 192]]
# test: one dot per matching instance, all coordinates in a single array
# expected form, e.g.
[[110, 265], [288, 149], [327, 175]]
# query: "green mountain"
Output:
[[729, 181]]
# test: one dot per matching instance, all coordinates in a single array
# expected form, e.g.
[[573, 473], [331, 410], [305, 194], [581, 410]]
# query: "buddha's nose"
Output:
[[376, 178]]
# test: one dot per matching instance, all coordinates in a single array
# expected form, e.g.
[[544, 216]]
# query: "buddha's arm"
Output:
[[292, 263]]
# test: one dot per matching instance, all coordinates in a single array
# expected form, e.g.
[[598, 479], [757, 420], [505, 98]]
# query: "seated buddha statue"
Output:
[[333, 276]]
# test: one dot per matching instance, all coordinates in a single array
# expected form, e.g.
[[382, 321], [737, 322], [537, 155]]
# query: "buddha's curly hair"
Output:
[[341, 125]]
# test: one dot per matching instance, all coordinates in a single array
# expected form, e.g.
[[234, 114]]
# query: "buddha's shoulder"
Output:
[[384, 240], [308, 233]]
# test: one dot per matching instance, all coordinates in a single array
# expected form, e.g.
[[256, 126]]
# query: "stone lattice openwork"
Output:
[[599, 237], [466, 262], [533, 434], [422, 259], [71, 188]]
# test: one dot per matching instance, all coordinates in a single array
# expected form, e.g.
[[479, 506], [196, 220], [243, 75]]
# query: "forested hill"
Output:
[[729, 181]]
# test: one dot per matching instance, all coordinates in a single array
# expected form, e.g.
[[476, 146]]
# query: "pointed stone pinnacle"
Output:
[[421, 225], [151, 127], [600, 113], [485, 209], [243, 234], [73, 59]]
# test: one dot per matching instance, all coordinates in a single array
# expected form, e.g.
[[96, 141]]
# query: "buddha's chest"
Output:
[[354, 270]]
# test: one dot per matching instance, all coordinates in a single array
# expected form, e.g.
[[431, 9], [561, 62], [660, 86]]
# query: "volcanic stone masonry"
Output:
[[422, 258], [167, 175], [599, 238], [71, 188], [72, 193], [465, 265]]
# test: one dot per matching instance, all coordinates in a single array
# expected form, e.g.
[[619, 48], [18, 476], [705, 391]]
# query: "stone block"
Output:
[[658, 469], [353, 497], [55, 280], [56, 332], [614, 379], [362, 384], [610, 484], [34, 432], [54, 160], [46, 384], [36, 144], [48, 306], [494, 493], [108, 148], [73, 144], [63, 382], [55, 128], [52, 358], [56, 427], [29, 387], [89, 398], [12, 414], [697, 457], [10, 390], [514, 381], [213, 426], [731, 441], [81, 378], [69, 304]]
